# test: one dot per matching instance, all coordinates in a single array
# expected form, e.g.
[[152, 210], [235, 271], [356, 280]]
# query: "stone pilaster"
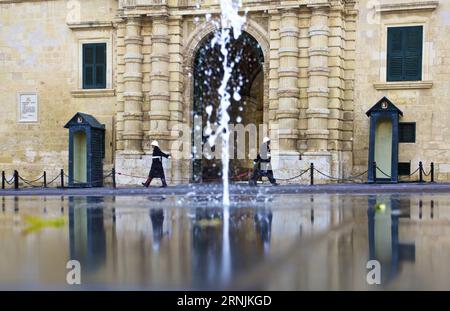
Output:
[[274, 62], [349, 114], [288, 90], [132, 116], [318, 91], [179, 167], [341, 159], [159, 82], [120, 86], [146, 83], [303, 64], [286, 155]]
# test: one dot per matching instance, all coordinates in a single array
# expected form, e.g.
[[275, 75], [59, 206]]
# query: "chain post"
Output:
[[16, 180], [62, 178], [420, 171]]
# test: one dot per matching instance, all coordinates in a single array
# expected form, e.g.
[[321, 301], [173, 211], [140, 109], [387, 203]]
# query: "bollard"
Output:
[[374, 171], [420, 171], [3, 179], [311, 174], [432, 171], [45, 179], [62, 178], [16, 180]]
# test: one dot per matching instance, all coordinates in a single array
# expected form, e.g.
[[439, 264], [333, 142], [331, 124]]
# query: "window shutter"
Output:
[[404, 55], [395, 54], [100, 65], [413, 54], [88, 65]]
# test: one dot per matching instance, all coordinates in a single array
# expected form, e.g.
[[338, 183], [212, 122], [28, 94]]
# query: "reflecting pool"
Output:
[[277, 242]]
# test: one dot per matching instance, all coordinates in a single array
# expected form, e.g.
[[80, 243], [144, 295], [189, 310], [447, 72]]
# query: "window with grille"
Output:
[[407, 132], [404, 168]]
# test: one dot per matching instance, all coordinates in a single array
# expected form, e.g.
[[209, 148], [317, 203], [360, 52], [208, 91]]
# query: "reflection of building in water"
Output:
[[87, 232], [207, 239], [411, 239], [152, 244], [32, 253], [309, 215], [253, 234], [218, 254]]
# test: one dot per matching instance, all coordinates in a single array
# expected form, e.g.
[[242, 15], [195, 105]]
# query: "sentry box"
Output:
[[86, 151]]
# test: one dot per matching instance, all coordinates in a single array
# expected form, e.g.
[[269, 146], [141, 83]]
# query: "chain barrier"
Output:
[[112, 174], [419, 170], [386, 175], [238, 177], [107, 175], [249, 174], [429, 173], [410, 175], [134, 176], [11, 181], [343, 179], [298, 176], [53, 180], [30, 182], [84, 182], [413, 173]]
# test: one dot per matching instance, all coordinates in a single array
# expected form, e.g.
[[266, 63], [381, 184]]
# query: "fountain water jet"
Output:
[[230, 21]]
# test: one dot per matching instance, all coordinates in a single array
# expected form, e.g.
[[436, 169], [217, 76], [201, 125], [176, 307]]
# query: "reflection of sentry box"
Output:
[[86, 151], [384, 245]]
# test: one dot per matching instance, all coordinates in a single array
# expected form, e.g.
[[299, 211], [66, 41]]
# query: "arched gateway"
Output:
[[247, 109]]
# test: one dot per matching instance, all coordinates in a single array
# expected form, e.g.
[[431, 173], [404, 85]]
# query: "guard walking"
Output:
[[262, 166], [157, 170]]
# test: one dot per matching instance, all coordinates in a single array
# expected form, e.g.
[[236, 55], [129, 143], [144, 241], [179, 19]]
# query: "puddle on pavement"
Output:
[[279, 242]]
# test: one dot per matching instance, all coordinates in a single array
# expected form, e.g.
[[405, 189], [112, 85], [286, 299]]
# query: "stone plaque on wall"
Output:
[[28, 107]]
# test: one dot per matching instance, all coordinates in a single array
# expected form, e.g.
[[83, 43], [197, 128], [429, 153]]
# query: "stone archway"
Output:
[[253, 106]]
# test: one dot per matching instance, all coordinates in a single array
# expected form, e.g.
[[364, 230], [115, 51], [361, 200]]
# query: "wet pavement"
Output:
[[263, 241], [241, 188]]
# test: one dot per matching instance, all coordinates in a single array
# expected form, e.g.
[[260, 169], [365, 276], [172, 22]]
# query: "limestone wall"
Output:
[[425, 102], [40, 52], [308, 79]]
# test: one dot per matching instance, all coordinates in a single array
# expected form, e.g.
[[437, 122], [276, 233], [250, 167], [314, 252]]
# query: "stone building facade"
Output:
[[323, 66]]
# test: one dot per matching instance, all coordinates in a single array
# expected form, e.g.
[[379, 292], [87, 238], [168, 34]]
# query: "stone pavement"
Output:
[[206, 189]]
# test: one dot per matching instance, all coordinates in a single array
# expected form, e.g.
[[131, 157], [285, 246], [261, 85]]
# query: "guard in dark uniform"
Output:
[[157, 170], [262, 166]]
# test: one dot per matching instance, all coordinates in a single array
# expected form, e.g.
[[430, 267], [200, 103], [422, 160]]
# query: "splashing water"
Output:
[[230, 21]]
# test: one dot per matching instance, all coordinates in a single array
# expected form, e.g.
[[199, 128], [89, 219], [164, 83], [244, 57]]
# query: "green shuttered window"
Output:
[[94, 66], [404, 54]]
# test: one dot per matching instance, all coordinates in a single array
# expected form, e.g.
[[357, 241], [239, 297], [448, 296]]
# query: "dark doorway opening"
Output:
[[246, 57]]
